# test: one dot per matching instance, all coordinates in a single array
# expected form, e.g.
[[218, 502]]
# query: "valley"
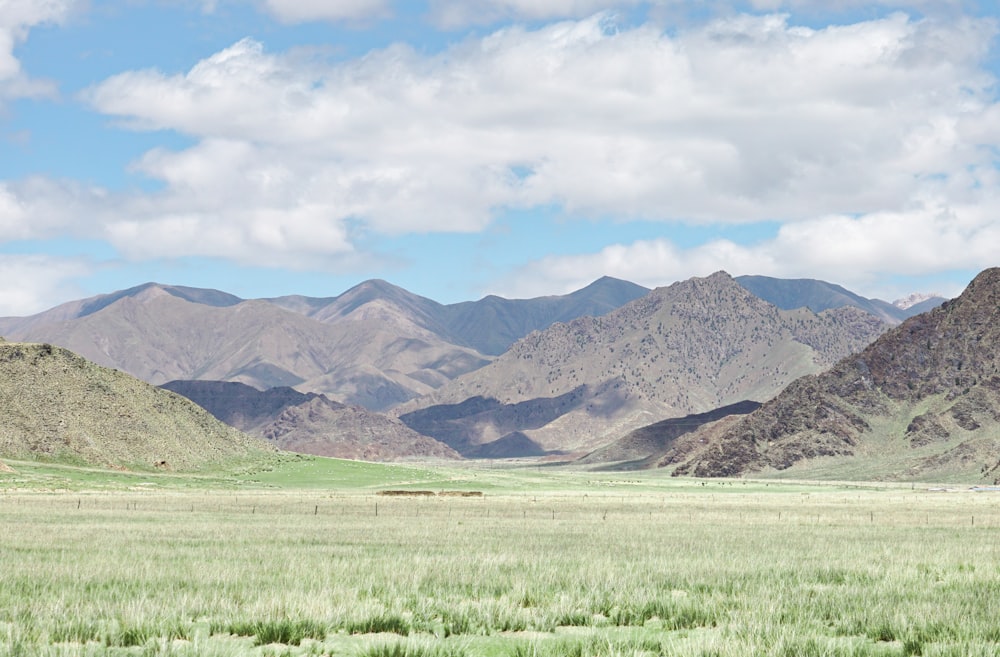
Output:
[[305, 557], [378, 373]]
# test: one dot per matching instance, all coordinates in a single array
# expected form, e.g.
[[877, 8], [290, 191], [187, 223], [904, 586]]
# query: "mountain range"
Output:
[[682, 349], [920, 402], [375, 345], [491, 378], [818, 296]]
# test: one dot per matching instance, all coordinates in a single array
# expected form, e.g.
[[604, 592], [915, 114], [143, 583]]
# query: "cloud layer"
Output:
[[884, 130], [740, 120]]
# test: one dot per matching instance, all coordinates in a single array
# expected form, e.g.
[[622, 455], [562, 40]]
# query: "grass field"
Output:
[[304, 557]]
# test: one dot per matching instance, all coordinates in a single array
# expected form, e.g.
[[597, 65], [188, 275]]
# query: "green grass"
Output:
[[302, 557]]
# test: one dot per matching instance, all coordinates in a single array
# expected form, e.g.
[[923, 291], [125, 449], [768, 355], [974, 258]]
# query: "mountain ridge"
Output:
[[924, 399], [310, 423], [376, 345], [818, 296], [686, 348]]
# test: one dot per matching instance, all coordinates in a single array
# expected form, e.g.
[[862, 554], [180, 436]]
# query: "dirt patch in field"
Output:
[[430, 493]]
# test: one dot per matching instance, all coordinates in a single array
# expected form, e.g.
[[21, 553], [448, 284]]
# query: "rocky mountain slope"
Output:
[[58, 405], [921, 402], [376, 345], [820, 295], [634, 449], [687, 348], [158, 335], [311, 423]]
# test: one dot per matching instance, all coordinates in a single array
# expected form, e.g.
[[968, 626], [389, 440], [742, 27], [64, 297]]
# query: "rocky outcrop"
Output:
[[924, 399], [680, 350]]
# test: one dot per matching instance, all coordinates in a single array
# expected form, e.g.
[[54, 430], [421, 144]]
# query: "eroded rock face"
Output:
[[932, 381], [685, 349]]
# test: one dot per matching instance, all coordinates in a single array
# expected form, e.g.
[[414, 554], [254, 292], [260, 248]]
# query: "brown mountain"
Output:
[[633, 450], [163, 333], [324, 427], [687, 348], [59, 406], [820, 295], [921, 402], [310, 423], [376, 345]]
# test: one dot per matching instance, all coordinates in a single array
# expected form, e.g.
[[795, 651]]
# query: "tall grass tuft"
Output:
[[284, 630], [389, 623], [412, 650]]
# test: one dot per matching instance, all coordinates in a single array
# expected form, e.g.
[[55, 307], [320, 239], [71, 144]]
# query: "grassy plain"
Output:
[[306, 558]]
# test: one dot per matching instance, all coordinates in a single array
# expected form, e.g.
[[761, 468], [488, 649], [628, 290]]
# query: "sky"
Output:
[[513, 147]]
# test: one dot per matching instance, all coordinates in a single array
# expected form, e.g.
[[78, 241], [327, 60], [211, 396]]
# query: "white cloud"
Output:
[[858, 252], [453, 14], [40, 208], [741, 119], [458, 13], [17, 17], [29, 283], [300, 11], [849, 5], [307, 11]]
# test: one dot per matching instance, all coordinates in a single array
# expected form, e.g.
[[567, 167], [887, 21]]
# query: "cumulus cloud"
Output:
[[300, 11], [29, 283], [17, 17], [740, 119], [40, 208], [859, 252], [451, 14]]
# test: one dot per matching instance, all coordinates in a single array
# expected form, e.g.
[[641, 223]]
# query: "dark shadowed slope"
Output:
[[688, 348], [637, 446], [921, 402], [820, 295], [311, 423], [238, 404]]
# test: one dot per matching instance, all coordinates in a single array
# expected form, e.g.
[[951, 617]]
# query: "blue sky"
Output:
[[515, 147]]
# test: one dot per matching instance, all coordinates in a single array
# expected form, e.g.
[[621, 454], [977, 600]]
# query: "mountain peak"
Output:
[[383, 297], [914, 299], [984, 288], [152, 290]]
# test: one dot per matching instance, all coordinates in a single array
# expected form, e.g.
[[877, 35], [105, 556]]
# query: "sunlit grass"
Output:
[[585, 566]]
